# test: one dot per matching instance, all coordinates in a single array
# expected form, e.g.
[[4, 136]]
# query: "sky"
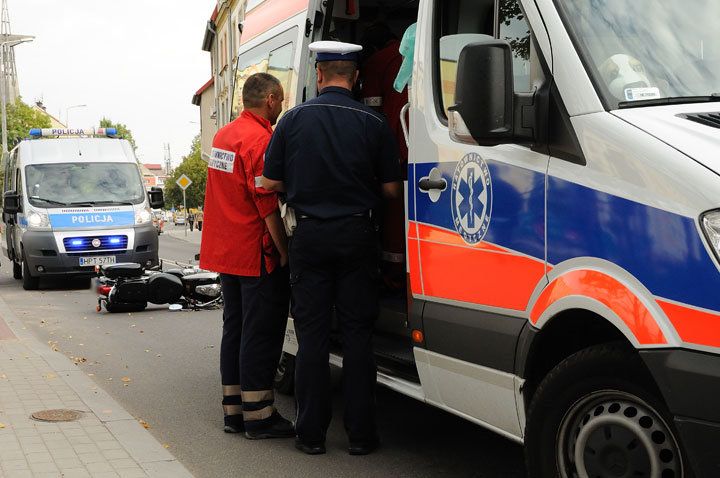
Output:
[[136, 62]]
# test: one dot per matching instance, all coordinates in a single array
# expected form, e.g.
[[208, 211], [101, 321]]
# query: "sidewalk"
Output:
[[105, 441], [178, 232]]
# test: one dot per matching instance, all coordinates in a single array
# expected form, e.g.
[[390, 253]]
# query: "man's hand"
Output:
[[277, 232], [272, 185], [392, 190]]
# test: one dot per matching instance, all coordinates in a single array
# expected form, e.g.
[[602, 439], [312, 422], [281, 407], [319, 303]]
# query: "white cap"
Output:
[[335, 50]]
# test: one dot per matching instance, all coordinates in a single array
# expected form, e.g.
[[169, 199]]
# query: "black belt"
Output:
[[367, 214]]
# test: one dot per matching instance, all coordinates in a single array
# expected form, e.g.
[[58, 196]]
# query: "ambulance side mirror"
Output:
[[11, 203], [155, 196], [483, 112]]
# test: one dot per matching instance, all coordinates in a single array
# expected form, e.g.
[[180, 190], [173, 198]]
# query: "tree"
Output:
[[194, 168], [122, 130], [21, 118]]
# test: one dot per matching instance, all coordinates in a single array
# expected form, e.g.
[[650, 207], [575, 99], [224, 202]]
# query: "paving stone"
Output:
[[100, 467], [75, 473]]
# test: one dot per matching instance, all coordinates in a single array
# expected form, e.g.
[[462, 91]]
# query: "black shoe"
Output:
[[276, 427], [363, 448], [234, 424], [317, 449]]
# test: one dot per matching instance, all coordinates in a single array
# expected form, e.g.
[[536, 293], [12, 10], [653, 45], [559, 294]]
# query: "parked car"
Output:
[[179, 218]]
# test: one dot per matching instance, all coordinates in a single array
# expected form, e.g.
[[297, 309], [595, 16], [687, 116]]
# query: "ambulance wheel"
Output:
[[29, 282], [285, 374], [17, 270], [597, 414]]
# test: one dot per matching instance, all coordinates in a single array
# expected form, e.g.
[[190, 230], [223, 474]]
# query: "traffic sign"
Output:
[[183, 181]]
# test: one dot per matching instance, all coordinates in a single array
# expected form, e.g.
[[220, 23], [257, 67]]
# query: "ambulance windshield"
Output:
[[646, 50], [63, 184]]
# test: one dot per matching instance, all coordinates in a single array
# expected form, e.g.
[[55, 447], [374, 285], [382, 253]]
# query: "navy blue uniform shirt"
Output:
[[332, 153]]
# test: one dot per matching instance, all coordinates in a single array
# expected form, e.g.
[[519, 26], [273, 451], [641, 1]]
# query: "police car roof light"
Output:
[[38, 132]]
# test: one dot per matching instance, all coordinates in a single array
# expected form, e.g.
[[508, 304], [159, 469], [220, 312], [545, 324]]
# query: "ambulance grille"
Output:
[[707, 119], [74, 244]]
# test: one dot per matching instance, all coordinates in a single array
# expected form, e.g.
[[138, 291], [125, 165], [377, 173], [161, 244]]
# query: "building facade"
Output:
[[222, 40]]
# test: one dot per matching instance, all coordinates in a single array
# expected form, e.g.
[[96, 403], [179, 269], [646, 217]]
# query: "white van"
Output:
[[73, 201], [562, 215]]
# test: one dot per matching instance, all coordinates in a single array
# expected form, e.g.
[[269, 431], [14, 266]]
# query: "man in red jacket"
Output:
[[244, 240]]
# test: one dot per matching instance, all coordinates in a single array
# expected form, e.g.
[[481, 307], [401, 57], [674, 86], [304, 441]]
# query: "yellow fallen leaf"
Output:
[[110, 379], [144, 423], [107, 411], [132, 325], [159, 355], [126, 379], [2, 426], [147, 350], [91, 375], [69, 336], [84, 318], [93, 388], [82, 345], [3, 376], [166, 446], [107, 333], [50, 376], [25, 356]]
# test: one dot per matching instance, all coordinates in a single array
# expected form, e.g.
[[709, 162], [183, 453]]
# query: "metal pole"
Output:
[[4, 102], [185, 225]]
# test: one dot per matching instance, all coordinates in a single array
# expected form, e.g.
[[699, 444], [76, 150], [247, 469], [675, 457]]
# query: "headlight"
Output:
[[711, 225], [38, 220], [142, 216], [209, 290]]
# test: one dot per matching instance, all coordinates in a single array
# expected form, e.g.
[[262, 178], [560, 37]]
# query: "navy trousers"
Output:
[[333, 264], [254, 320]]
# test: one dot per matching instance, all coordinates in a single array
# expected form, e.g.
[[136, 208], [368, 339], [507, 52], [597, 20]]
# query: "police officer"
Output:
[[244, 240], [334, 157]]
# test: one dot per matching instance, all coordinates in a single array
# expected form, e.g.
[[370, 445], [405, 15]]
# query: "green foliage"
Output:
[[122, 130], [21, 118], [194, 168]]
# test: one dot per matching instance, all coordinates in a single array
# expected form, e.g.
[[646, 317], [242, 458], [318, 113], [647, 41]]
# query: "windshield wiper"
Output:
[[105, 203], [671, 100], [49, 201]]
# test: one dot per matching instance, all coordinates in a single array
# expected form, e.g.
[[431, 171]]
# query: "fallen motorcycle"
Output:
[[128, 287]]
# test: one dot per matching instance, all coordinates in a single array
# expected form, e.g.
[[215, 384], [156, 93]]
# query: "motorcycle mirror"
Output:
[[175, 307]]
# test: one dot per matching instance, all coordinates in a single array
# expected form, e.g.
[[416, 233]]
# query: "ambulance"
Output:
[[74, 199], [562, 220]]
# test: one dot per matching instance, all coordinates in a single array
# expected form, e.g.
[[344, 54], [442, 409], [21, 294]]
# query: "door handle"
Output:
[[426, 184]]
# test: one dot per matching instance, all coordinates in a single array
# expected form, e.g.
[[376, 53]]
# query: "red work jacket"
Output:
[[234, 235]]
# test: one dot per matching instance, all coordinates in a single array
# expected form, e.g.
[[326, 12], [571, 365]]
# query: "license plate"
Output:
[[97, 260]]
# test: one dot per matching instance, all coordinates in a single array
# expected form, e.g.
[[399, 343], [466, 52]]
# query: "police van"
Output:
[[74, 199], [562, 220]]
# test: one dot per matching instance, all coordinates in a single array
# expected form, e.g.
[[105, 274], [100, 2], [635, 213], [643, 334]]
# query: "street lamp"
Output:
[[9, 42], [67, 110]]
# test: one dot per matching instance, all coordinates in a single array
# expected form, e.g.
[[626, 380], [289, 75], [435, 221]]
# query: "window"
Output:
[[460, 22], [275, 57]]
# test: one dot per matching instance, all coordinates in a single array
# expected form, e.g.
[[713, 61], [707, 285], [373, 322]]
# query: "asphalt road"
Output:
[[171, 359]]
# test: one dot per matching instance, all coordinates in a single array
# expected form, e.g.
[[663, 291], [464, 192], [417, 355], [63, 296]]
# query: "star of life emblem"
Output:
[[471, 198]]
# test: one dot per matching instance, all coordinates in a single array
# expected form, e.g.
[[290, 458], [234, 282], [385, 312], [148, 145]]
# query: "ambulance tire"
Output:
[[29, 282], [284, 381], [17, 270], [599, 410]]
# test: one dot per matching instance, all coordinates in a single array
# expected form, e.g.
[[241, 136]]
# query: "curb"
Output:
[[142, 447]]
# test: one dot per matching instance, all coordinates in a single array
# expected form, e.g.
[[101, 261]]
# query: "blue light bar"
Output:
[[114, 240], [35, 132], [76, 242]]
